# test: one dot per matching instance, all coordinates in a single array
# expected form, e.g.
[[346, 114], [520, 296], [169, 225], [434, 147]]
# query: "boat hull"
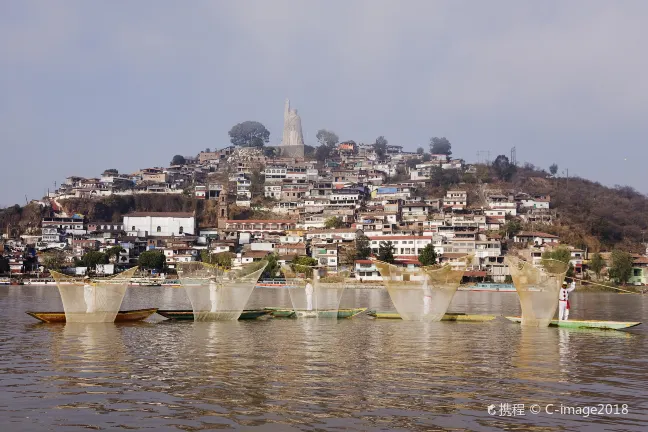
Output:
[[301, 313], [188, 315], [122, 316], [602, 325], [447, 317]]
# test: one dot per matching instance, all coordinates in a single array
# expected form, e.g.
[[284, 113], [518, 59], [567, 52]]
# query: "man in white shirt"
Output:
[[563, 300]]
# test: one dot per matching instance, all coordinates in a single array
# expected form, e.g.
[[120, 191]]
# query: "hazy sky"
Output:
[[91, 85]]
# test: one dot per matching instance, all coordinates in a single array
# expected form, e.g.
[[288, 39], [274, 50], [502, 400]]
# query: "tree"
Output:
[[207, 150], [52, 260], [428, 255], [559, 254], [511, 228], [327, 138], [503, 168], [426, 157], [178, 160], [553, 169], [92, 258], [386, 252], [114, 251], [111, 171], [440, 146], [249, 134], [363, 247], [152, 260], [272, 268], [596, 264], [4, 265], [257, 180], [333, 222], [349, 255], [420, 151], [323, 152], [380, 147], [270, 152], [621, 268], [303, 264]]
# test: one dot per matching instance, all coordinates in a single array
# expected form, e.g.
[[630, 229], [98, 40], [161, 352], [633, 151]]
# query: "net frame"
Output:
[[217, 293], [421, 293], [322, 299], [537, 287], [87, 300]]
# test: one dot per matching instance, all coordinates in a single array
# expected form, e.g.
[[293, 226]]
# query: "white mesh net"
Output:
[[422, 293], [537, 288], [313, 293], [92, 300], [217, 294]]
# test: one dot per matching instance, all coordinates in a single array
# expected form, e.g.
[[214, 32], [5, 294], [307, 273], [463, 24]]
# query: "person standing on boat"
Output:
[[309, 295], [213, 295], [563, 300], [89, 295]]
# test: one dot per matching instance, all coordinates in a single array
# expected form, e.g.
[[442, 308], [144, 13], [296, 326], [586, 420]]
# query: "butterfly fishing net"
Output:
[[218, 294], [422, 293], [313, 292], [537, 288], [92, 300]]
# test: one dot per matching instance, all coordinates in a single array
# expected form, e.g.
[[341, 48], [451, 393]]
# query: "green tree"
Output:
[[333, 222], [386, 252], [596, 264], [621, 268], [4, 265], [323, 152], [152, 259], [178, 160], [553, 169], [420, 151], [303, 264], [503, 168], [511, 228], [327, 138], [559, 254], [249, 134], [257, 181], [53, 260], [427, 157], [363, 247], [270, 152], [380, 147], [114, 251], [273, 267], [428, 255], [92, 258], [111, 171], [440, 146]]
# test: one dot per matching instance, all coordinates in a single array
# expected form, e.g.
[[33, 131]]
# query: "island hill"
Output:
[[337, 205]]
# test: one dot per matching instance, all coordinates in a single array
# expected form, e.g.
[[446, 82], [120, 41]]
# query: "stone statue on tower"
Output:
[[292, 142]]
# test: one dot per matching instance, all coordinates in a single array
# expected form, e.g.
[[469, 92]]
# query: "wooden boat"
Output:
[[122, 316], [187, 314], [302, 313], [603, 325], [447, 317]]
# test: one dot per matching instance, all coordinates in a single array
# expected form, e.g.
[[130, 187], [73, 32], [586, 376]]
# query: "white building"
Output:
[[168, 224]]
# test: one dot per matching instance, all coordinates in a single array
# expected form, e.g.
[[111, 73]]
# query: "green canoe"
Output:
[[301, 313], [603, 325], [187, 314], [447, 317]]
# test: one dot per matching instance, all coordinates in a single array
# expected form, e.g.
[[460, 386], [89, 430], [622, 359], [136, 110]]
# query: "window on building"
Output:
[[159, 229], [133, 229], [181, 230]]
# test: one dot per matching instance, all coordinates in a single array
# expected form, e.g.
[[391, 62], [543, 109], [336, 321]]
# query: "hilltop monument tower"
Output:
[[292, 142]]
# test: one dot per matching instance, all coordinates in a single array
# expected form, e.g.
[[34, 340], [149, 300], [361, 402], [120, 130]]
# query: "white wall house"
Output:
[[159, 224]]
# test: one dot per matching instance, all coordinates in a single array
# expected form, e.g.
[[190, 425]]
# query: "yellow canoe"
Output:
[[446, 317]]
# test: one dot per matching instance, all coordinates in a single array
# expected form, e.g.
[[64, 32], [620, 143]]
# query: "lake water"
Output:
[[309, 374]]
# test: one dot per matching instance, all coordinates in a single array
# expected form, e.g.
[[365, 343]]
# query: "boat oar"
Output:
[[606, 286]]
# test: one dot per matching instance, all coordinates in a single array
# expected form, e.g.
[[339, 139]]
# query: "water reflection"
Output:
[[356, 374]]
